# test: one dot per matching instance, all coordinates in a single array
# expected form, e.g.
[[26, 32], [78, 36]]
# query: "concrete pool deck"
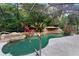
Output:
[[64, 46]]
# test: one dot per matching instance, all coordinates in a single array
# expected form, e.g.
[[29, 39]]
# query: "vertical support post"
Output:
[[17, 6], [40, 44]]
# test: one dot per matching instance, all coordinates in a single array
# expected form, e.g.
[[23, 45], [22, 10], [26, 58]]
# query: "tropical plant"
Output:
[[39, 20]]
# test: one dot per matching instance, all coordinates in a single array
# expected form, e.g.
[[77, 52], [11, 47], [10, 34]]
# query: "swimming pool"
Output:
[[27, 45]]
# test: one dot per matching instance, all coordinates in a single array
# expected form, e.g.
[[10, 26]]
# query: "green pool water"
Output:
[[27, 45]]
